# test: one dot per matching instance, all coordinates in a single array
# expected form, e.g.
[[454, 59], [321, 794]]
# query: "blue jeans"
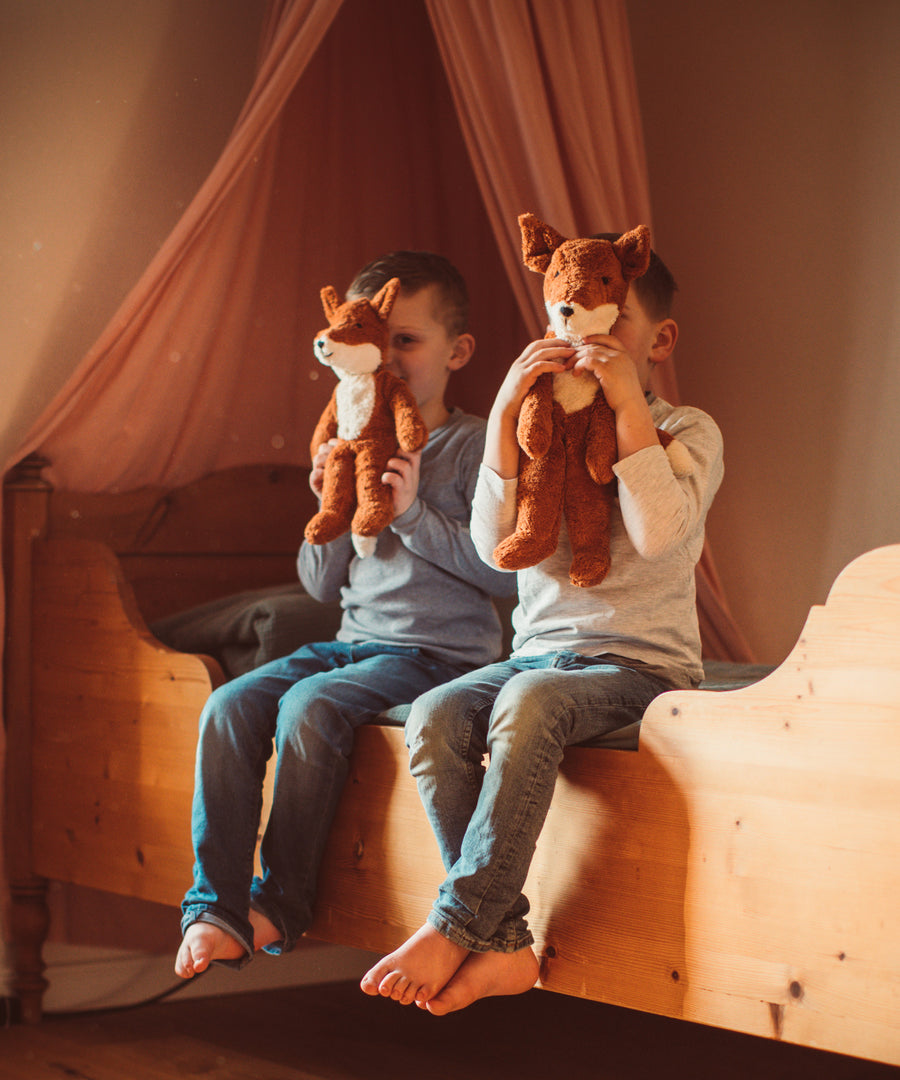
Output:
[[308, 704], [523, 712]]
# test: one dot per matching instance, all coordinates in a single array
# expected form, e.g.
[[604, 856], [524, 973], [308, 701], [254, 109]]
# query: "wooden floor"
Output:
[[335, 1032]]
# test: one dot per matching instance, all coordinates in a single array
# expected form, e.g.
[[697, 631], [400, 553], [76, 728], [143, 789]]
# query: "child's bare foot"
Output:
[[421, 967], [202, 943], [489, 974], [265, 932]]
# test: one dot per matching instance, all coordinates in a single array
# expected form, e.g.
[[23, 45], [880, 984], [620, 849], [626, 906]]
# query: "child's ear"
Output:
[[664, 342], [463, 348]]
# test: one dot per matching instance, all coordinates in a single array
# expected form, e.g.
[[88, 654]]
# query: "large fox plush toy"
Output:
[[566, 429], [371, 414]]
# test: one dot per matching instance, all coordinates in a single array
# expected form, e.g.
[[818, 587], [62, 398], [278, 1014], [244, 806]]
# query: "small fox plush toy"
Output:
[[371, 413], [566, 430]]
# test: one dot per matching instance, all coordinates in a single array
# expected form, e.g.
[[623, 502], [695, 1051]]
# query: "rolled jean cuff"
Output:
[[281, 945], [206, 916], [505, 943]]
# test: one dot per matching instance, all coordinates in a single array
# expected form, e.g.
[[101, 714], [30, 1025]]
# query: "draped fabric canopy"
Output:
[[350, 137], [369, 127]]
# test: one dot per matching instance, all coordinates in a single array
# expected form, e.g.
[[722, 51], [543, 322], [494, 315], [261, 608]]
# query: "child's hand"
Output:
[[501, 448], [317, 472], [546, 355], [403, 477], [606, 358]]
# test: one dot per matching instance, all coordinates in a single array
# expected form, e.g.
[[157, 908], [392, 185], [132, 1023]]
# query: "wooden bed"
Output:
[[742, 869]]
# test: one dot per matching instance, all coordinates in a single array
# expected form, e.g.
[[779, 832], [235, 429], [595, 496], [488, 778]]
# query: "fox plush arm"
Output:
[[326, 428], [534, 429], [410, 427]]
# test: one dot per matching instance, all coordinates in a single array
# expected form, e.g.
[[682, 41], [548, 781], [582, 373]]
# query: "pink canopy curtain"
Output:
[[153, 390], [547, 102], [198, 369], [549, 109]]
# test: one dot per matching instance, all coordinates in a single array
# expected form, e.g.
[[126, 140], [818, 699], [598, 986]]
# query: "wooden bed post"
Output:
[[26, 498]]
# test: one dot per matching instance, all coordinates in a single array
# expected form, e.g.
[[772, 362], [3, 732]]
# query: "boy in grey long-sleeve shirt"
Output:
[[426, 587], [416, 612]]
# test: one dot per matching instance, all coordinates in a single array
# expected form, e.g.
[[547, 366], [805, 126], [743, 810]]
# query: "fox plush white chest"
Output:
[[355, 403], [371, 414]]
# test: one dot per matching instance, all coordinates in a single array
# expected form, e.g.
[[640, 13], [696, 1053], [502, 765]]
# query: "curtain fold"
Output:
[[548, 106], [549, 109], [151, 390]]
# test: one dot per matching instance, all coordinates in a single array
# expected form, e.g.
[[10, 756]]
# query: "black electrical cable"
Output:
[[101, 1010]]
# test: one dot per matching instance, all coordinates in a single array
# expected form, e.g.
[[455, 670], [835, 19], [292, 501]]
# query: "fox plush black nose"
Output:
[[567, 311]]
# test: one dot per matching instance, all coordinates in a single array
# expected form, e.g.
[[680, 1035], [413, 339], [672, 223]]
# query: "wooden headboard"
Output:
[[235, 529]]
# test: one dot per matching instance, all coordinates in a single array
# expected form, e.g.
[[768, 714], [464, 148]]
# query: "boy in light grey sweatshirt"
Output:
[[586, 662]]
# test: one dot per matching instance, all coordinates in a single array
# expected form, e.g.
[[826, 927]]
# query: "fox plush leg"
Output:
[[374, 499], [338, 497], [588, 513], [538, 509]]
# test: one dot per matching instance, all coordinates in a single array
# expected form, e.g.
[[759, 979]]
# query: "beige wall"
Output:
[[773, 139], [111, 115]]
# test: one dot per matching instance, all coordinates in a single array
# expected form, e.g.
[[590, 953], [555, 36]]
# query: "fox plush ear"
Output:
[[384, 299], [633, 251], [330, 300], [539, 241]]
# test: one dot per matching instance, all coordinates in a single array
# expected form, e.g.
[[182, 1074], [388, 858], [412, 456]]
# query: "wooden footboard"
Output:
[[114, 732], [741, 870]]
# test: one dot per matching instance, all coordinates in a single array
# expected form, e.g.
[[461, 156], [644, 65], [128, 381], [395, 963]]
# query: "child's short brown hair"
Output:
[[416, 270], [656, 288]]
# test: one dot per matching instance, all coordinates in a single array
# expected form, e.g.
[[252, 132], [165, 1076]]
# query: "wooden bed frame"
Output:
[[742, 869]]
